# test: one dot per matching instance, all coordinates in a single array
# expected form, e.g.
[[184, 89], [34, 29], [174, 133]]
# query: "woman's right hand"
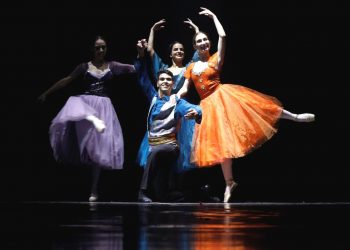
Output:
[[158, 25], [192, 25], [42, 98]]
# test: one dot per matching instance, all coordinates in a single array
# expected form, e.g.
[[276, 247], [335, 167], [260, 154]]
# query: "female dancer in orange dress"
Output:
[[236, 119]]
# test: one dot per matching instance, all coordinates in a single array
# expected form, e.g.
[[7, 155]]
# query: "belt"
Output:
[[164, 139]]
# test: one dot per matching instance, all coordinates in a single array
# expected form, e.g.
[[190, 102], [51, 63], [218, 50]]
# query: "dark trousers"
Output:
[[159, 176]]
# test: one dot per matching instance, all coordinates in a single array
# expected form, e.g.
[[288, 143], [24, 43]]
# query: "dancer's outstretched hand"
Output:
[[42, 98], [192, 25], [206, 12], [158, 25]]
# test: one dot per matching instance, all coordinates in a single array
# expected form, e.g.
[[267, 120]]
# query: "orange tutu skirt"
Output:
[[235, 121]]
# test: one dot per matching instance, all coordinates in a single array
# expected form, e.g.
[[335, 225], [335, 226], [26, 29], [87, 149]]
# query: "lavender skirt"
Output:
[[75, 140]]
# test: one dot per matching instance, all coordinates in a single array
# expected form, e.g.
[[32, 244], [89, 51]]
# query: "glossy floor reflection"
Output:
[[68, 225]]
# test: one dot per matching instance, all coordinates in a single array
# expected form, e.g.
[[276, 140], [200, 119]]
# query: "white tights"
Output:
[[304, 117]]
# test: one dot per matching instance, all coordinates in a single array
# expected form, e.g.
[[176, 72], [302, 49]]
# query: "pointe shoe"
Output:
[[228, 191], [93, 198], [143, 198], [305, 117]]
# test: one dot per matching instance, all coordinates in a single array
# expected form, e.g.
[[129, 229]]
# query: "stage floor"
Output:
[[129, 225]]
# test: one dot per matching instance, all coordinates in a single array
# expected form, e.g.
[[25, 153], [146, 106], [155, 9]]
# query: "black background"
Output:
[[293, 50]]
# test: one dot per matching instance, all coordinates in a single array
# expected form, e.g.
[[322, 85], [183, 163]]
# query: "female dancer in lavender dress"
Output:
[[86, 131]]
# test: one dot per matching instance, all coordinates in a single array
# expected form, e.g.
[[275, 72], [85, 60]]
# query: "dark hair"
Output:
[[98, 37], [172, 45], [165, 71], [195, 35]]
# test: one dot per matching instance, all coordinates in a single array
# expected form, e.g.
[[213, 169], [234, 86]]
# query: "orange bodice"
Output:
[[208, 80]]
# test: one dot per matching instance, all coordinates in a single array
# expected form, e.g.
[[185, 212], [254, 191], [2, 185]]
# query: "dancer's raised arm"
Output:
[[221, 33], [157, 26]]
